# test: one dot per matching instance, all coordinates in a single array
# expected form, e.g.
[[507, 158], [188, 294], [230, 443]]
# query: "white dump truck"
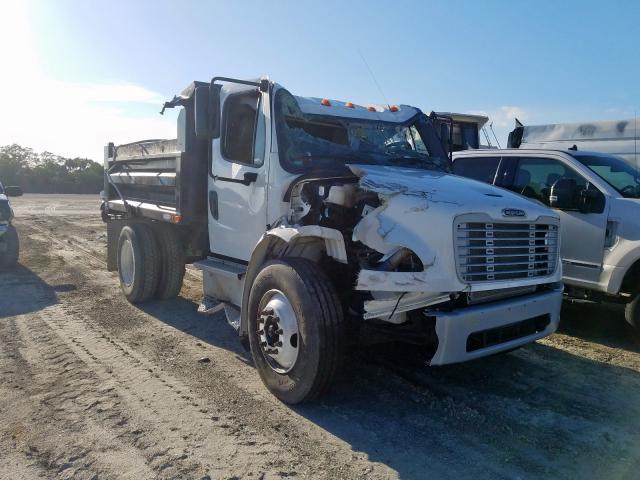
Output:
[[315, 219], [9, 242]]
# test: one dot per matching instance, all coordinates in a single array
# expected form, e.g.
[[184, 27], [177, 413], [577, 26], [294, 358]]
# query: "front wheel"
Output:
[[296, 329], [9, 248]]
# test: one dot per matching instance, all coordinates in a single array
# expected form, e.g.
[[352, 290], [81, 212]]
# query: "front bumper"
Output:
[[455, 328]]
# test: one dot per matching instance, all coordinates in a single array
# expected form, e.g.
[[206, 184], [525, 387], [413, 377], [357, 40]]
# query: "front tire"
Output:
[[296, 329], [138, 262], [9, 258]]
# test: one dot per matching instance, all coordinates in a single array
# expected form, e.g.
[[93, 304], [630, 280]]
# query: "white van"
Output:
[[598, 199]]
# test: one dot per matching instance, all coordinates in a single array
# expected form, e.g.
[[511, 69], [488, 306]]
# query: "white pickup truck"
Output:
[[9, 242], [313, 219], [597, 196]]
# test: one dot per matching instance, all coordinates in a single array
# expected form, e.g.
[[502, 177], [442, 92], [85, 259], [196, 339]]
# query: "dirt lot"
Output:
[[93, 387]]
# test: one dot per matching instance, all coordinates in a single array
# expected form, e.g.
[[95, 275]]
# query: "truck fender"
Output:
[[264, 250], [629, 280], [333, 240]]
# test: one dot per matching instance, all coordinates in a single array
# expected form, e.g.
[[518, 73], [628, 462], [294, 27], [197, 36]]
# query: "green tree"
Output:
[[47, 172]]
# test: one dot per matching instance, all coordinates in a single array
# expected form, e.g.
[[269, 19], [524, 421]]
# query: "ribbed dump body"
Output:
[[160, 179], [488, 251]]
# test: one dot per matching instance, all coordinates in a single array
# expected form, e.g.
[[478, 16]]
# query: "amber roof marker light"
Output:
[[325, 102]]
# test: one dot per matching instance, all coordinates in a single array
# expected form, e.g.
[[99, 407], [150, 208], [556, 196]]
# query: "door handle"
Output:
[[213, 204]]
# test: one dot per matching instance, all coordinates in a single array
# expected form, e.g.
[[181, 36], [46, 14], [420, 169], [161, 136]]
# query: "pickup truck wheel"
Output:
[[632, 311], [171, 264], [9, 254], [138, 262], [296, 329]]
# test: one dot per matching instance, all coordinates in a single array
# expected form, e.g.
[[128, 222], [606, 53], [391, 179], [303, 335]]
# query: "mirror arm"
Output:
[[249, 178]]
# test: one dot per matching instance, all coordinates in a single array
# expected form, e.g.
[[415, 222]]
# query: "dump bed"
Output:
[[163, 180]]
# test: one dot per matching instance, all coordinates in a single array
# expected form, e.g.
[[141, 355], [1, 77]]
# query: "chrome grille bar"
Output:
[[505, 251]]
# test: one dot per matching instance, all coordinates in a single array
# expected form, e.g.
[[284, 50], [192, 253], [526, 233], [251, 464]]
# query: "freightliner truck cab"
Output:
[[315, 219]]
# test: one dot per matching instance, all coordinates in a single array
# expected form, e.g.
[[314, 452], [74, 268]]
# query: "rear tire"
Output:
[[632, 311], [171, 263], [305, 291], [138, 262], [9, 258]]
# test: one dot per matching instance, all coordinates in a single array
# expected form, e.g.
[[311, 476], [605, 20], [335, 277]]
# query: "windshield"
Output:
[[615, 171], [308, 141]]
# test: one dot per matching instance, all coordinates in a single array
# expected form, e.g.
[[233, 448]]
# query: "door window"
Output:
[[240, 119], [418, 143], [478, 168], [534, 178]]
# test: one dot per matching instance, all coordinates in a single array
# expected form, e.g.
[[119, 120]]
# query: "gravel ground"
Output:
[[93, 387]]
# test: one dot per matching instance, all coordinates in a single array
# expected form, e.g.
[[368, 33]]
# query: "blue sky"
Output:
[[98, 70]]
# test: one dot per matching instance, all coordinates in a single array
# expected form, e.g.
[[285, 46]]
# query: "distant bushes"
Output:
[[48, 173]]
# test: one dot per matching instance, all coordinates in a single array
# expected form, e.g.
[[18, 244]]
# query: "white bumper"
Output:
[[455, 328]]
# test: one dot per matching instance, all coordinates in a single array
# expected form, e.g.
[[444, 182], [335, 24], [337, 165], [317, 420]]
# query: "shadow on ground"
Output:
[[182, 314], [23, 291], [599, 323]]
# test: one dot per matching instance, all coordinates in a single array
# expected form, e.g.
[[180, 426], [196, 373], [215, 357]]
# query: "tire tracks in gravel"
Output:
[[114, 386], [159, 399]]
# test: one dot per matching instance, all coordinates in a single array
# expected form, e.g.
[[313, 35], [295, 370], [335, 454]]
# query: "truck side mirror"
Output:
[[591, 201], [202, 123], [13, 191], [563, 194]]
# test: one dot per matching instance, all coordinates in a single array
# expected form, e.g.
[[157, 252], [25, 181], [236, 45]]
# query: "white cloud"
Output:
[[78, 120], [67, 118], [504, 116]]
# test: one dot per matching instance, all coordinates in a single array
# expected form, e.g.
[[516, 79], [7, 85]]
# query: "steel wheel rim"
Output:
[[127, 263], [278, 335]]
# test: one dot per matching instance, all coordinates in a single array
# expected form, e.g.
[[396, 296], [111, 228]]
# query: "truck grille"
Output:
[[504, 251]]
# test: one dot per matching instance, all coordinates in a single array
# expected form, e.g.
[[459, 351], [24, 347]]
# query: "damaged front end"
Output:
[[421, 254], [401, 230]]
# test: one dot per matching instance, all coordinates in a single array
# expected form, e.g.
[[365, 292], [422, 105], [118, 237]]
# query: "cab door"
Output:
[[239, 172], [582, 234]]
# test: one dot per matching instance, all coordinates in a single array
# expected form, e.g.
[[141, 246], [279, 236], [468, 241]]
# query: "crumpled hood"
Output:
[[418, 211], [458, 194]]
